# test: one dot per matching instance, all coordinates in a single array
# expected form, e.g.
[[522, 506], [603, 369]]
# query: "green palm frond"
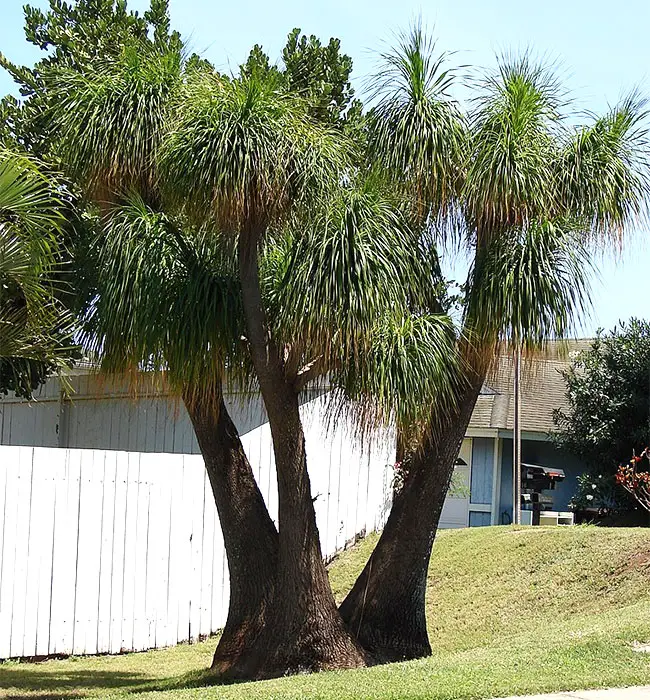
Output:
[[348, 264], [42, 335], [109, 122], [350, 290], [30, 202], [244, 153], [411, 365], [22, 271], [605, 169], [30, 224], [416, 130], [167, 301], [529, 285], [516, 130], [34, 347], [35, 329]]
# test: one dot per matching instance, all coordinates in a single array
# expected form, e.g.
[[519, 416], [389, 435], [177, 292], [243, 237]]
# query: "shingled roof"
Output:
[[542, 390]]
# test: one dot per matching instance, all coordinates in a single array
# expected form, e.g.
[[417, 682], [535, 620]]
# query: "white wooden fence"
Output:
[[105, 551]]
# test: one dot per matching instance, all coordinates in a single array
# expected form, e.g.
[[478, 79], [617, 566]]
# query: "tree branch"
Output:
[[312, 370]]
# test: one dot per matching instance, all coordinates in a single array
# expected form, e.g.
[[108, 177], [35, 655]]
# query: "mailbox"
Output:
[[535, 480]]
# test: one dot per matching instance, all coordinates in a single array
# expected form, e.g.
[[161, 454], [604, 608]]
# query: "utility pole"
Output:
[[516, 441]]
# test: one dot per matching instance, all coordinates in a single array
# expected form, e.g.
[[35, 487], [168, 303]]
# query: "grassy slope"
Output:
[[510, 611]]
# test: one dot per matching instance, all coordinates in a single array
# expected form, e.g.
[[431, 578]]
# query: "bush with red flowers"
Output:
[[634, 477]]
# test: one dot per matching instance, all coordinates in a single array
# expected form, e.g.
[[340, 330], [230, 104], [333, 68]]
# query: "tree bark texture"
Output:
[[249, 535], [385, 609], [304, 630]]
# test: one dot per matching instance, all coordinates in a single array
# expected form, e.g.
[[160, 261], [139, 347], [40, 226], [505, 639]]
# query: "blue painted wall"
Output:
[[482, 469]]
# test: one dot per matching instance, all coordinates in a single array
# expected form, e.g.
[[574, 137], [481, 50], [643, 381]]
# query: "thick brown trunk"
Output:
[[249, 535], [304, 631], [386, 607]]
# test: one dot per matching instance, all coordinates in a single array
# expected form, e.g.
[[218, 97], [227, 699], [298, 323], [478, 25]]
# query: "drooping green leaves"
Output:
[[352, 292], [529, 286], [417, 134], [244, 153], [535, 196], [167, 300], [110, 121], [357, 256], [604, 169], [410, 365], [516, 135], [76, 36]]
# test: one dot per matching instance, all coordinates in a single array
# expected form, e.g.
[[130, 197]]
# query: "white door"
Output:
[[455, 512]]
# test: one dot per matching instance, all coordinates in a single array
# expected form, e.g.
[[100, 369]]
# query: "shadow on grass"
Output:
[[64, 683], [192, 679]]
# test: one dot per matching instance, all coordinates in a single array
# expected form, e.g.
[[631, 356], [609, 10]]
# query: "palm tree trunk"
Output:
[[249, 535], [385, 609], [304, 630]]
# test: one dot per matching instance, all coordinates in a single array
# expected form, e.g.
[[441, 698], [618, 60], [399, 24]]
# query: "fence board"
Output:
[[119, 552], [24, 503], [183, 553], [163, 543], [41, 529], [207, 564], [128, 592], [108, 532], [88, 555], [64, 565], [175, 538], [332, 496], [196, 515], [3, 508], [218, 613], [140, 627], [13, 464], [34, 538]]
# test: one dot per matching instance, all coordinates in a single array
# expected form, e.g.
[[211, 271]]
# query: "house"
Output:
[[487, 450], [99, 414]]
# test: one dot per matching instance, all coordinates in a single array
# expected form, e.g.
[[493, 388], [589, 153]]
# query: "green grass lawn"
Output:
[[511, 610]]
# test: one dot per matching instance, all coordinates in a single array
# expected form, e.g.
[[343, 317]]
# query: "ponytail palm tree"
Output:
[[186, 306], [251, 160], [533, 193], [239, 179], [254, 252], [35, 329]]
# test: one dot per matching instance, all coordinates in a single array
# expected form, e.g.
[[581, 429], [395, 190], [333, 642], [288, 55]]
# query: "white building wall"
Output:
[[105, 414]]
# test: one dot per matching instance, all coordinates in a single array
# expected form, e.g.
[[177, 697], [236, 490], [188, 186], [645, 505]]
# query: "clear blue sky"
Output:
[[603, 49]]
